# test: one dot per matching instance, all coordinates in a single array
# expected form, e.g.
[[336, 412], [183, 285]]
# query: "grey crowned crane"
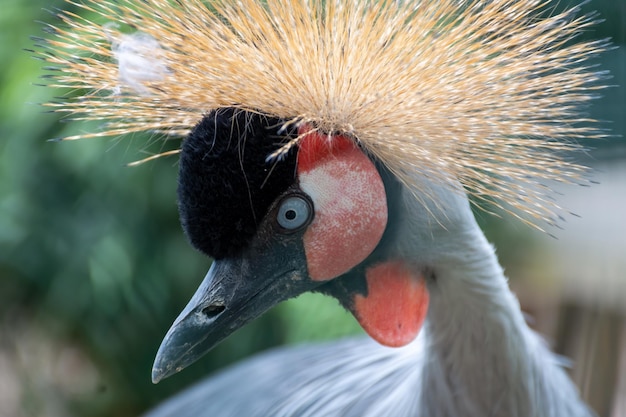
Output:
[[331, 146]]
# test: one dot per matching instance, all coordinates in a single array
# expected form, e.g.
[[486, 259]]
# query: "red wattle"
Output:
[[396, 304]]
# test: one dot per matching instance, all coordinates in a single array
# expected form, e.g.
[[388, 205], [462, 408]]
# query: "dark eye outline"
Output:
[[293, 203]]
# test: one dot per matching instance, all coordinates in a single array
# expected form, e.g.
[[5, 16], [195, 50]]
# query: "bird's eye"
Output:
[[294, 213]]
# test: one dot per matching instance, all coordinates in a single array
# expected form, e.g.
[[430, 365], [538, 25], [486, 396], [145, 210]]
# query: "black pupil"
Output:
[[290, 214]]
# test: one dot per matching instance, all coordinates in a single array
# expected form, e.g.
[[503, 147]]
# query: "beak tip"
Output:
[[164, 369], [157, 375], [167, 362], [160, 372], [172, 358]]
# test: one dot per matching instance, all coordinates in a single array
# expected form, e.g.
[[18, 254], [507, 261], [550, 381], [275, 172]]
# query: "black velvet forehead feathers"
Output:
[[225, 184]]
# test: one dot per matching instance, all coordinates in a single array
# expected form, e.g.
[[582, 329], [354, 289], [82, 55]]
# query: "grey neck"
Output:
[[481, 357]]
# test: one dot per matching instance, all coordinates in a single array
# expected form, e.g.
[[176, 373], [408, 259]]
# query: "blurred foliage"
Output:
[[91, 252]]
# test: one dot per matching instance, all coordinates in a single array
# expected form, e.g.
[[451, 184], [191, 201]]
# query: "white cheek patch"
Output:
[[350, 213]]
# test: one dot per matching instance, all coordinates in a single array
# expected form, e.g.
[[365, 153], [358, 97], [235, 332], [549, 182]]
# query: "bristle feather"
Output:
[[153, 157], [487, 92]]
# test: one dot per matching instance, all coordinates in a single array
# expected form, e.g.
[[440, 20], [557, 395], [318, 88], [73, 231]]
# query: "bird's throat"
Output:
[[396, 304]]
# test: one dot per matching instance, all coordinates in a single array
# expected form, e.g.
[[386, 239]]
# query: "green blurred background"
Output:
[[94, 266]]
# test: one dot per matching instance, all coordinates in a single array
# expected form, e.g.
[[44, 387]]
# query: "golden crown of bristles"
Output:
[[482, 91]]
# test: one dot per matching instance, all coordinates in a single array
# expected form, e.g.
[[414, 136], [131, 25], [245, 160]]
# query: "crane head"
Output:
[[315, 220], [357, 105]]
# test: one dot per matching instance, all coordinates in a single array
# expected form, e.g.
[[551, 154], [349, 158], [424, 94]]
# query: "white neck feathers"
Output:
[[481, 357]]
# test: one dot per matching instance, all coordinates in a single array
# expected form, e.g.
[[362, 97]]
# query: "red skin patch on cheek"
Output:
[[315, 146], [396, 305], [350, 206]]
